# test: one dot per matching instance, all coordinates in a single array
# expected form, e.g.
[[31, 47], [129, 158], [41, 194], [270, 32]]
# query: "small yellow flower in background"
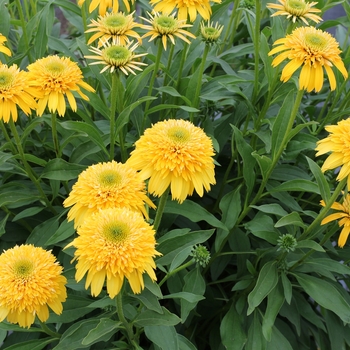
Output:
[[114, 25], [210, 32], [344, 215], [3, 48], [296, 10], [114, 244], [104, 5], [313, 50], [338, 143], [185, 8], [30, 282], [14, 90], [175, 153], [106, 185], [166, 26], [115, 56], [54, 78]]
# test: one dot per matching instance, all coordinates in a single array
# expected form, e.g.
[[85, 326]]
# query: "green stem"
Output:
[[126, 324], [199, 81], [256, 49], [48, 331], [181, 67], [175, 271], [24, 27], [8, 139], [28, 168], [152, 80], [160, 209], [54, 135]]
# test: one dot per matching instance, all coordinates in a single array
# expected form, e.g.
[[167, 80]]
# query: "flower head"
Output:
[[54, 78], [247, 4], [338, 143], [115, 56], [200, 255], [210, 32], [117, 244], [30, 281], [106, 185], [313, 49], [297, 10], [104, 5], [287, 243], [14, 90], [185, 8], [174, 153], [114, 25], [343, 214], [166, 27], [3, 48]]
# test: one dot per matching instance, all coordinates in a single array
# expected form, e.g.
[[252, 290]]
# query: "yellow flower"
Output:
[[175, 153], [104, 5], [166, 26], [312, 49], [14, 90], [30, 281], [115, 56], [53, 78], [344, 215], [106, 185], [114, 25], [296, 10], [3, 48], [337, 142], [210, 32], [185, 8], [117, 244]]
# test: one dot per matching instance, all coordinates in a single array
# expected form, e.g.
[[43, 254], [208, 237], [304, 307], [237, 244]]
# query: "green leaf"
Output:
[[278, 341], [297, 185], [59, 169], [267, 280], [193, 211], [148, 299], [65, 230], [190, 297], [232, 332], [287, 287], [173, 92], [152, 318], [102, 332], [37, 344], [310, 245], [264, 163], [279, 128], [272, 208], [320, 178], [293, 219], [163, 336], [325, 294], [255, 337], [43, 231], [275, 300], [27, 213]]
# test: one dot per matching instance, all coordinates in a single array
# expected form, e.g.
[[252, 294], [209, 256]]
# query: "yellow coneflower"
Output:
[[313, 50], [115, 56], [296, 10], [30, 282], [53, 78], [104, 5], [338, 143], [185, 8], [106, 185], [117, 26], [166, 27], [14, 91], [343, 214], [210, 32], [3, 48], [175, 153], [114, 244]]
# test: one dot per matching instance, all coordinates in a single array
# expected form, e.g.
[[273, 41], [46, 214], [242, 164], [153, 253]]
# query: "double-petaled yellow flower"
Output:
[[3, 48]]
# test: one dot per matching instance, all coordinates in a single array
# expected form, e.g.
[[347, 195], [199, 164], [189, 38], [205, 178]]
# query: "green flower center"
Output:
[[315, 41], [55, 68], [117, 55], [115, 232], [165, 24], [179, 134], [23, 269], [6, 80], [109, 178], [115, 21], [295, 7]]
